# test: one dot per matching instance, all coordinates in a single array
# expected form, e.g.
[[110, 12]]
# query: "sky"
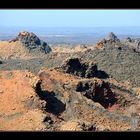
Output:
[[69, 18]]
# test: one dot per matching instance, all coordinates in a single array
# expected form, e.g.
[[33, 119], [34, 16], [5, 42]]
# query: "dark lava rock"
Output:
[[74, 66], [133, 43], [80, 68], [110, 41], [98, 92], [128, 39], [122, 65], [137, 49], [112, 37], [31, 41]]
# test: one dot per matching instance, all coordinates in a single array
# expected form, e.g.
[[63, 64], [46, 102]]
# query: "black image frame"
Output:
[[69, 4]]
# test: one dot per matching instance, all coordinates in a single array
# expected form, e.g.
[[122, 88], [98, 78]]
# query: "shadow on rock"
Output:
[[0, 62], [100, 93], [86, 69], [54, 105], [102, 74], [104, 95]]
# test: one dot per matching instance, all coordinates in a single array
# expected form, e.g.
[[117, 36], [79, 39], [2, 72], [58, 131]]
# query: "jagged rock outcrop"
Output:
[[80, 68], [31, 41], [109, 41], [121, 64], [74, 66], [128, 39], [112, 37], [133, 44], [113, 41], [25, 46]]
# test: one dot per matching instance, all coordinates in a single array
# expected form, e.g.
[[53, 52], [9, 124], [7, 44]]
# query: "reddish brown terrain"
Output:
[[67, 89], [19, 104]]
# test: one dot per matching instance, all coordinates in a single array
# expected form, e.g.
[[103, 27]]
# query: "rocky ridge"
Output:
[[25, 46], [31, 41]]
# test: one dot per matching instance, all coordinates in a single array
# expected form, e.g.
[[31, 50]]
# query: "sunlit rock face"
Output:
[[31, 41]]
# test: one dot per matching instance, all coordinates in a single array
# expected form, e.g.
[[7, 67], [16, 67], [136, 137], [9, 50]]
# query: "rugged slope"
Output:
[[59, 99], [26, 45], [118, 59], [19, 104], [100, 104]]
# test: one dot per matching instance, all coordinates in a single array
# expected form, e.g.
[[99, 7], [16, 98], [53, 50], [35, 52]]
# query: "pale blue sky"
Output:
[[69, 18]]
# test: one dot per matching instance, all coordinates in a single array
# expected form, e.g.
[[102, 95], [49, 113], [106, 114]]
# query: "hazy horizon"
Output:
[[13, 30], [72, 35], [70, 25]]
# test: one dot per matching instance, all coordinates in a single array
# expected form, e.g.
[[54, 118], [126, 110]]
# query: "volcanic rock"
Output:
[[74, 66], [109, 41], [112, 37], [137, 47], [31, 41], [80, 68], [75, 96], [133, 43], [85, 99], [128, 39], [55, 100]]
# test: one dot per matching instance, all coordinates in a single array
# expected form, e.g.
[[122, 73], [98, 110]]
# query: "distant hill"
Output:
[[25, 45]]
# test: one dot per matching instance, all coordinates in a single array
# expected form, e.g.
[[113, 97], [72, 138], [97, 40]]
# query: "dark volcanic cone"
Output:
[[31, 41]]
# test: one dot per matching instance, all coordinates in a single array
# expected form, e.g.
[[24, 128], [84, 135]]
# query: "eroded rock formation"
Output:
[[31, 41], [80, 68]]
